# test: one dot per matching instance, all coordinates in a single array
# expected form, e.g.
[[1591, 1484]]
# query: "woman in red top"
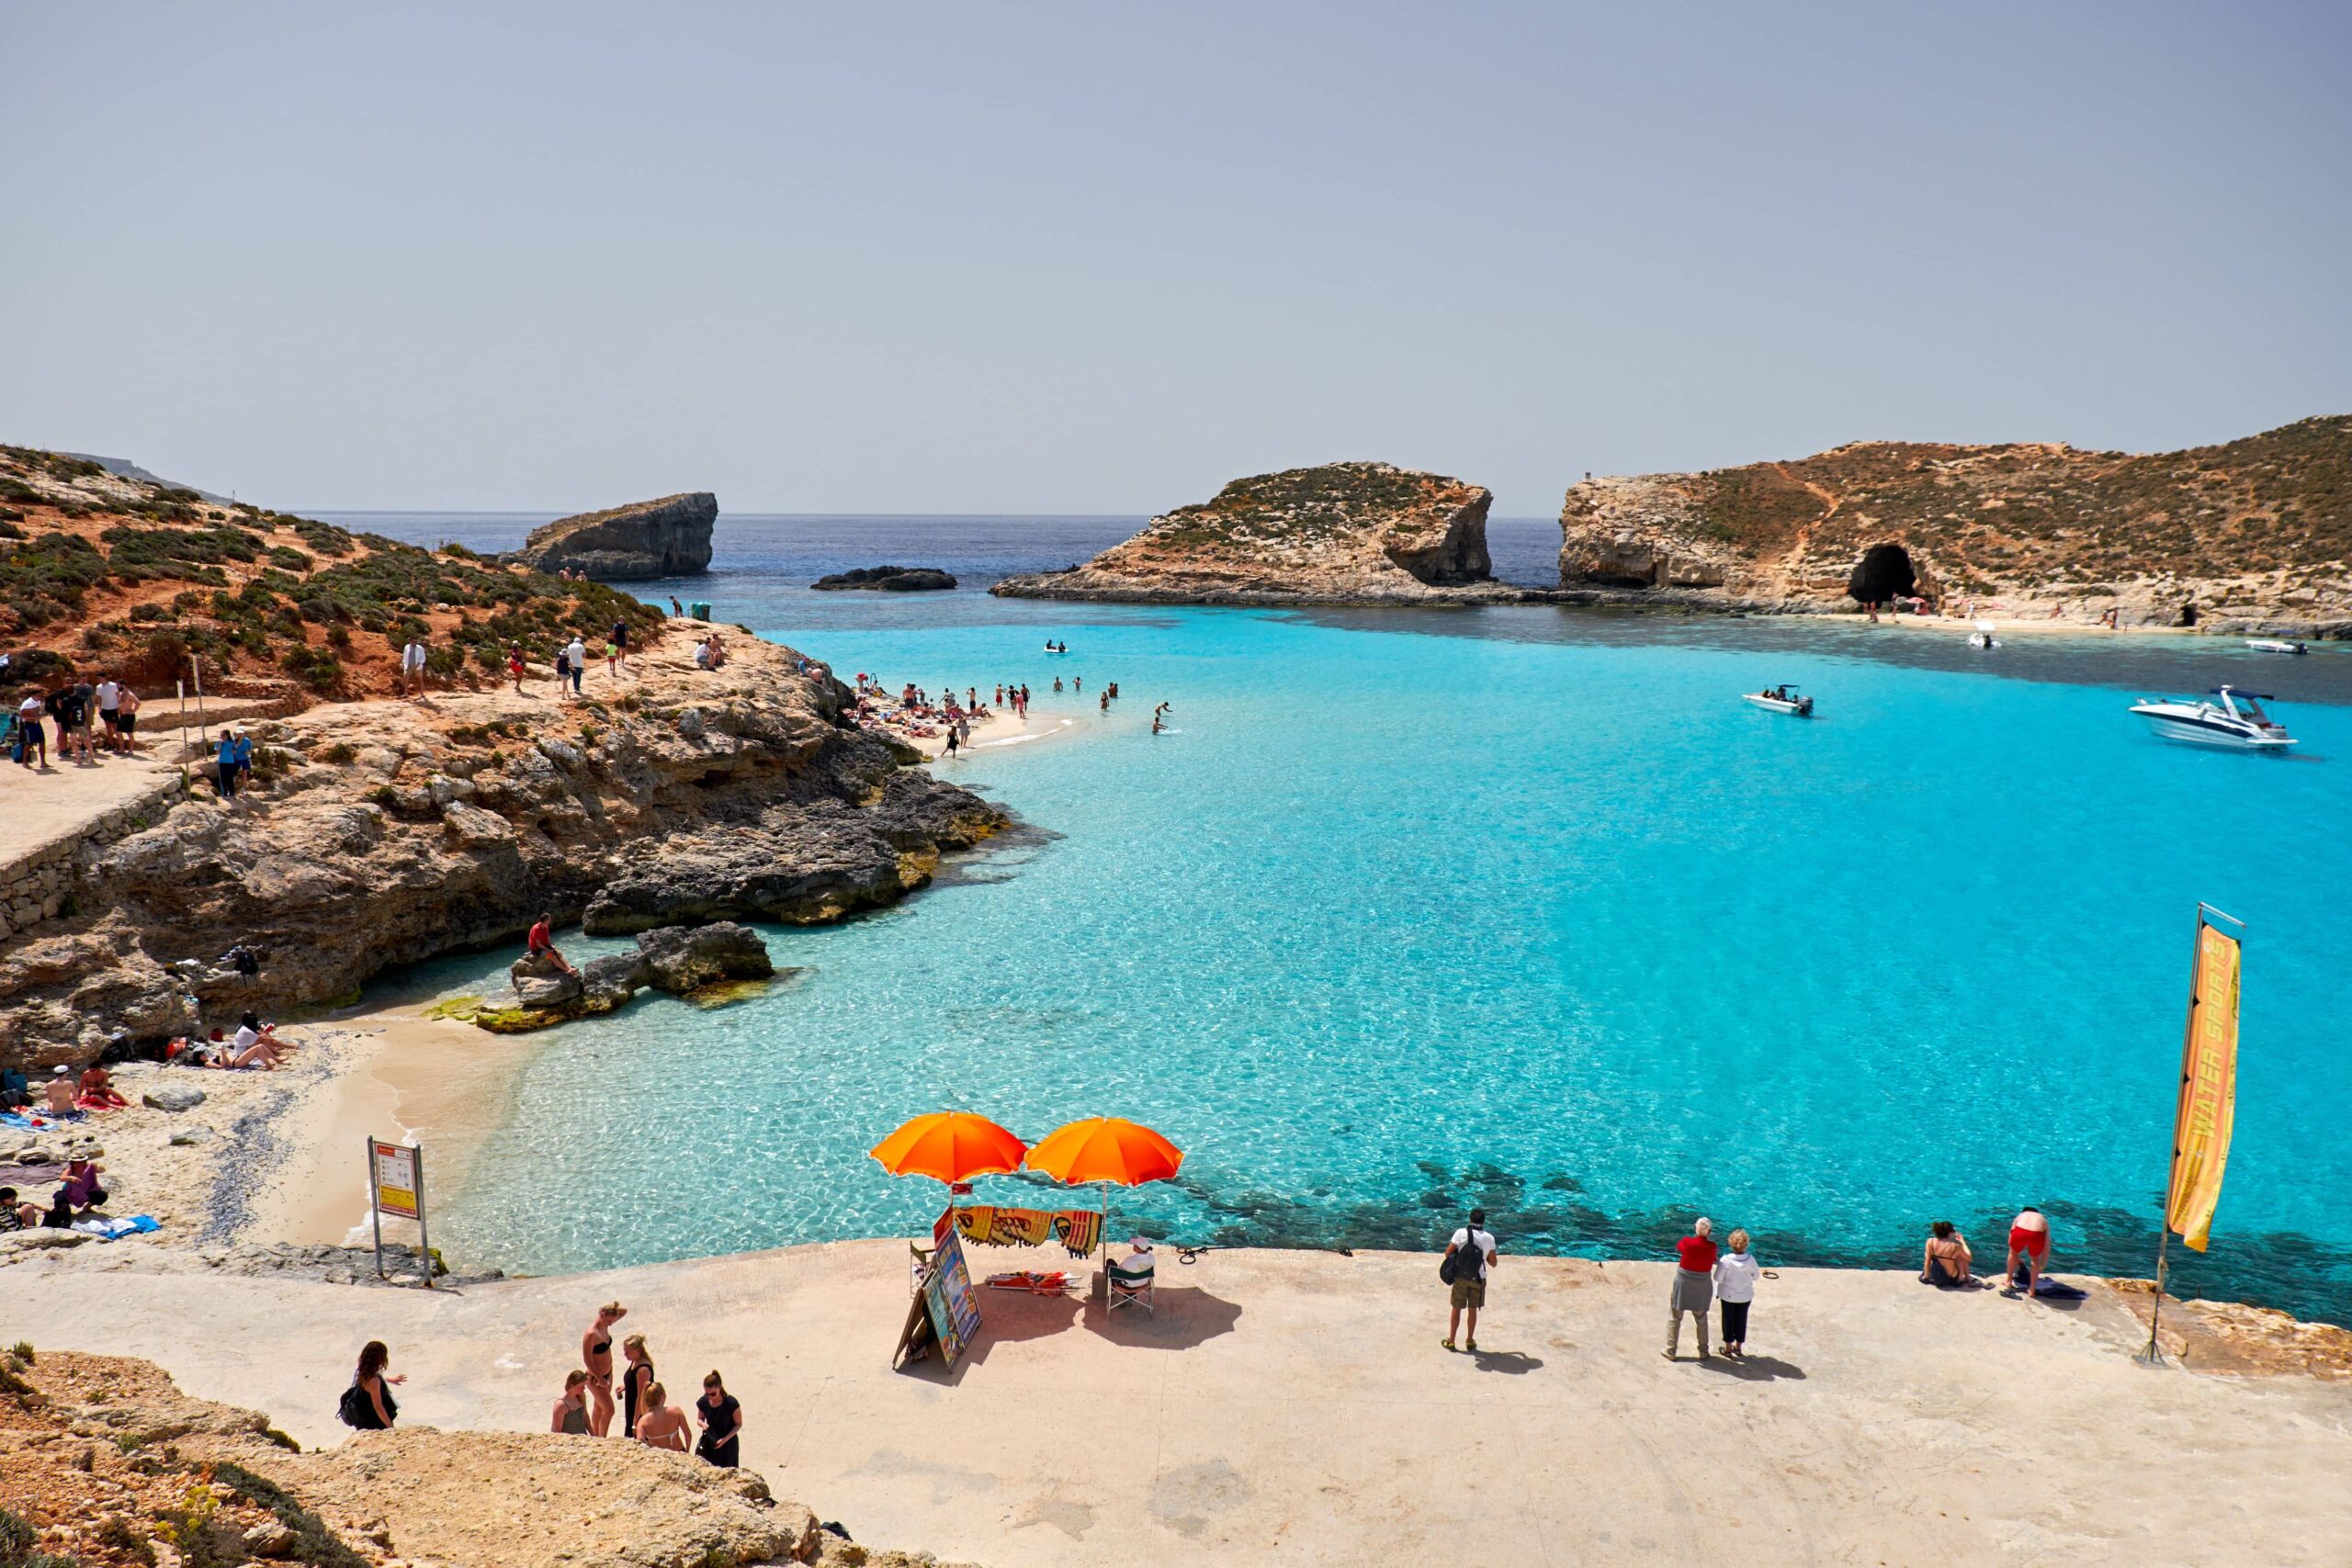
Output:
[[1694, 1286]]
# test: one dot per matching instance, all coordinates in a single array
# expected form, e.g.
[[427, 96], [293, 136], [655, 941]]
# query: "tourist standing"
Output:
[[1694, 1287], [128, 709], [597, 1355], [722, 1424], [617, 648], [1735, 1275], [577, 655], [33, 739], [110, 695], [570, 1413], [951, 740], [369, 1404], [2029, 1246], [1470, 1251], [636, 1378], [412, 667], [514, 666]]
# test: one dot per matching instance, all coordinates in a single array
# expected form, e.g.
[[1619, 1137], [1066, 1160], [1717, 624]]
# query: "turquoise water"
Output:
[[1522, 907]]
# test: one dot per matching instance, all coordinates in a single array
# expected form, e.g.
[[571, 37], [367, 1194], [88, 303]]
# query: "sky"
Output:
[[1011, 258]]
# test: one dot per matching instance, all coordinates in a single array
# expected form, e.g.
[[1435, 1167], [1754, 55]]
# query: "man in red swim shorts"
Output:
[[2028, 1239]]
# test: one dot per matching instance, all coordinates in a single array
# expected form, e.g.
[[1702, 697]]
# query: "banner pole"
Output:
[[424, 1236], [375, 1205], [2151, 1356]]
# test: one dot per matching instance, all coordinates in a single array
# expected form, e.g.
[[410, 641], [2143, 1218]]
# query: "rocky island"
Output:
[[668, 538], [889, 579], [1340, 534], [376, 831], [2254, 534]]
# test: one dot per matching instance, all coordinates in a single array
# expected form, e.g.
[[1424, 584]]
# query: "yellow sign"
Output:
[[2209, 1089], [396, 1184]]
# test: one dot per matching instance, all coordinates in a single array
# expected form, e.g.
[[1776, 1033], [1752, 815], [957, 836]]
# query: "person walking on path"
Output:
[[2028, 1245], [570, 1413], [1735, 1273], [576, 656], [636, 1376], [722, 1424], [616, 649], [597, 1355], [1694, 1287], [1470, 1251], [369, 1404]]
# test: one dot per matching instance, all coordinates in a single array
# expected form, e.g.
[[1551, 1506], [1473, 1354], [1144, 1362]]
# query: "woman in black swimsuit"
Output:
[[597, 1355], [635, 1380], [722, 1424]]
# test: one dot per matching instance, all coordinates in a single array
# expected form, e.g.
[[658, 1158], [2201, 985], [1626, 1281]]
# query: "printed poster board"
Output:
[[947, 1294], [398, 1191]]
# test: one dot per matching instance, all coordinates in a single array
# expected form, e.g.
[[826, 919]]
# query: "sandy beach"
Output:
[[1295, 1409]]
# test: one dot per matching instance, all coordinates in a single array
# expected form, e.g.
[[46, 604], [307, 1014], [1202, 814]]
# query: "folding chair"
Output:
[[1128, 1288]]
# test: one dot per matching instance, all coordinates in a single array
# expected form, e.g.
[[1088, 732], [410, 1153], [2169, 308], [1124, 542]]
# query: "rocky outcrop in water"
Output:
[[2253, 535], [680, 960], [381, 834], [1340, 534], [668, 538], [889, 579]]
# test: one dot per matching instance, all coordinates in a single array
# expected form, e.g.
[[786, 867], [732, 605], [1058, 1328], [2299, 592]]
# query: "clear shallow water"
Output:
[[1518, 907]]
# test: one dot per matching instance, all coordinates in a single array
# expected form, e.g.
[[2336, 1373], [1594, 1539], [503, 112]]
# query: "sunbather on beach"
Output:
[[1947, 1258], [59, 1092], [81, 1190], [98, 1092], [597, 1355], [16, 1214], [256, 1044]]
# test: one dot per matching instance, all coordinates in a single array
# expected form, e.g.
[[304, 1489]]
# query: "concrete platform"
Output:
[[1296, 1408]]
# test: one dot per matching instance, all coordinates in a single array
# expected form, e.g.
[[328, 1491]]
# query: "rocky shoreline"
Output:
[[385, 832]]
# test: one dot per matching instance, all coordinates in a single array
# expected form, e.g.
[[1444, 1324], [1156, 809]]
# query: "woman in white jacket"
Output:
[[1735, 1273]]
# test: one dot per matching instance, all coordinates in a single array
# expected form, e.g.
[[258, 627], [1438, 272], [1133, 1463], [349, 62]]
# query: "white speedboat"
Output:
[[1783, 699], [1983, 636], [2275, 645], [2228, 717]]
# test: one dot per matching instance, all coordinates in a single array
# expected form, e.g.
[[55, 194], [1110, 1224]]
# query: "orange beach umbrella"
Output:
[[1106, 1148], [950, 1145]]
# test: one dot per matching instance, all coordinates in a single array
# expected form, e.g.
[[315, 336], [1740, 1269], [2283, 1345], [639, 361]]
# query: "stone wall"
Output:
[[40, 883]]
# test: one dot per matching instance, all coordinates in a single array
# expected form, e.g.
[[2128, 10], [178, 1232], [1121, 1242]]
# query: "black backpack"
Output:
[[1465, 1261], [355, 1409]]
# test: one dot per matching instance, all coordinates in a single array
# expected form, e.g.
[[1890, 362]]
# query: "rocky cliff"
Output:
[[668, 538], [378, 834], [1340, 534], [2253, 535]]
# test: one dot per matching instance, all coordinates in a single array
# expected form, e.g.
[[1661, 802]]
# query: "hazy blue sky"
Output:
[[1101, 258]]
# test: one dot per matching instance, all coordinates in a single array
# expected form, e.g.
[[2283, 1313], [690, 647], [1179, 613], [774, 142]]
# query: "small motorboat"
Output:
[[2275, 645], [2229, 718], [1983, 636], [1783, 699]]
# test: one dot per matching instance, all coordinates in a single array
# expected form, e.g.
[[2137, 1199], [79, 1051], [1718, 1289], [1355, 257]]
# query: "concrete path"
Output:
[[1295, 1409], [68, 800]]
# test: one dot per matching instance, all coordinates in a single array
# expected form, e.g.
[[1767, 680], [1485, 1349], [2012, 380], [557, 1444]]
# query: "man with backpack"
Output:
[[1467, 1257]]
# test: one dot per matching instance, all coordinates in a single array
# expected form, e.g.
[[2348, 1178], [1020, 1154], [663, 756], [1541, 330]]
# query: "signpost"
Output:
[[396, 1186]]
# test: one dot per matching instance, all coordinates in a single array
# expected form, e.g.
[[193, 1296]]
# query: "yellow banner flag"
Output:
[[2209, 1088]]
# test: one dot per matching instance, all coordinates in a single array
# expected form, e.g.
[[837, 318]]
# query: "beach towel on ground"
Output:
[[114, 1230]]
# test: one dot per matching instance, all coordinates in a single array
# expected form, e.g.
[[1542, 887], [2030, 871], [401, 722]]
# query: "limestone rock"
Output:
[[187, 1136], [542, 984], [668, 538], [172, 1096], [682, 958], [889, 579]]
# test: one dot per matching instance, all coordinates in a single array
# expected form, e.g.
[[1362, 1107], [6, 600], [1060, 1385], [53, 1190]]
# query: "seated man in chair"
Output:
[[1131, 1278]]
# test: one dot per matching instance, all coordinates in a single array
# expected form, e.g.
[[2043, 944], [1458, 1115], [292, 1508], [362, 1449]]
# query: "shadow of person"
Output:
[[1513, 1361], [1755, 1369], [1187, 1315]]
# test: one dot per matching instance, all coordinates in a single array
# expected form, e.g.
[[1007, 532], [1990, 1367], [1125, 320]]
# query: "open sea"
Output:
[[1519, 907]]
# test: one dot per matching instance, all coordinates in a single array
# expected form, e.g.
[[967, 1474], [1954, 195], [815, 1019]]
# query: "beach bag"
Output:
[[353, 1409]]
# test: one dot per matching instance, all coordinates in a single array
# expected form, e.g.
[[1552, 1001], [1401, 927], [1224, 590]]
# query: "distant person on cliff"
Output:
[[663, 1424], [722, 1424], [1947, 1257], [570, 1413], [576, 655], [597, 1355], [1694, 1287], [412, 676], [677, 609], [2030, 1251], [1468, 1256], [109, 696], [514, 666], [32, 738], [127, 719], [1735, 1278], [539, 942], [367, 1403], [616, 649]]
